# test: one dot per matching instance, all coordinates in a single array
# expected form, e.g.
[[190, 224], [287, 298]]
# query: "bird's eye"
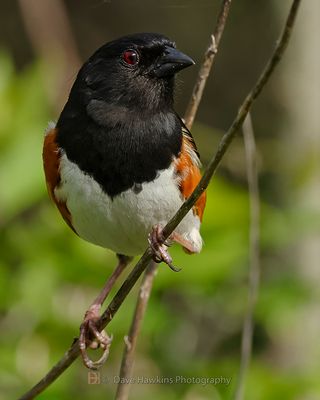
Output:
[[130, 57]]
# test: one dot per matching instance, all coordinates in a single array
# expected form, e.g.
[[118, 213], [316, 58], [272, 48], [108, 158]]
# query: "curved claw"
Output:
[[93, 364], [159, 247], [173, 268], [87, 328]]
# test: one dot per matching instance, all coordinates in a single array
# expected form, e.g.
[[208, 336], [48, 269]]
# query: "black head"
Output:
[[134, 70], [119, 125]]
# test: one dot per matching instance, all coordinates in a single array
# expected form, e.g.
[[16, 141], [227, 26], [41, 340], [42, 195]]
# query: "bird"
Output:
[[119, 162]]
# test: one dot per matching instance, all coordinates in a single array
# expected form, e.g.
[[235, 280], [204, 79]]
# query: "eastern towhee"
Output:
[[120, 161]]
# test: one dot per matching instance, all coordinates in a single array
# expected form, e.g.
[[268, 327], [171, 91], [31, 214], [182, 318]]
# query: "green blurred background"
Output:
[[48, 276]]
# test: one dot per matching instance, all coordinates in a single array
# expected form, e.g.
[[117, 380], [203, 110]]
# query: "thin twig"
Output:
[[225, 142], [128, 354], [207, 64], [254, 264], [131, 339], [73, 352], [238, 121]]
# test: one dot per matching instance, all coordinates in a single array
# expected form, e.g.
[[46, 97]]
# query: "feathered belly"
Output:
[[122, 224]]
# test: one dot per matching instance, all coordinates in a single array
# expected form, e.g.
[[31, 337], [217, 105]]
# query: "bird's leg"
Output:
[[88, 328], [159, 247]]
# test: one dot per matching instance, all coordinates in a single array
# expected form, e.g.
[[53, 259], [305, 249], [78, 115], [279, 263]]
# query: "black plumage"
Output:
[[119, 125]]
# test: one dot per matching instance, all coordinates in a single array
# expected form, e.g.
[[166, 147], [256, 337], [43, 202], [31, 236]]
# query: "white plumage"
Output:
[[122, 224]]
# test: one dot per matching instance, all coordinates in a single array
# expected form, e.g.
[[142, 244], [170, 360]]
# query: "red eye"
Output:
[[130, 57]]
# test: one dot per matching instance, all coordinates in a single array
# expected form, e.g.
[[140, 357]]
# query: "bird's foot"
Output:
[[91, 337], [159, 247]]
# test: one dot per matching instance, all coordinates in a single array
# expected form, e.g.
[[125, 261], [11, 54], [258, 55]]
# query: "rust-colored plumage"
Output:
[[187, 169], [51, 155]]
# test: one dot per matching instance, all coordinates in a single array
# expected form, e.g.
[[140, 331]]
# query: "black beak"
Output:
[[171, 62]]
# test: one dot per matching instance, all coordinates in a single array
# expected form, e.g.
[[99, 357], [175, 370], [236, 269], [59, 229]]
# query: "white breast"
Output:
[[122, 224]]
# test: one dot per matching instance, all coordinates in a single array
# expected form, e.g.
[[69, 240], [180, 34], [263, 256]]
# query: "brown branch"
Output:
[[225, 142], [131, 339], [238, 121], [73, 352], [206, 66], [254, 264]]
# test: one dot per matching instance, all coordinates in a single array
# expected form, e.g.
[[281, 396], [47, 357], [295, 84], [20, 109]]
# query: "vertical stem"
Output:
[[254, 264], [131, 340], [207, 63]]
